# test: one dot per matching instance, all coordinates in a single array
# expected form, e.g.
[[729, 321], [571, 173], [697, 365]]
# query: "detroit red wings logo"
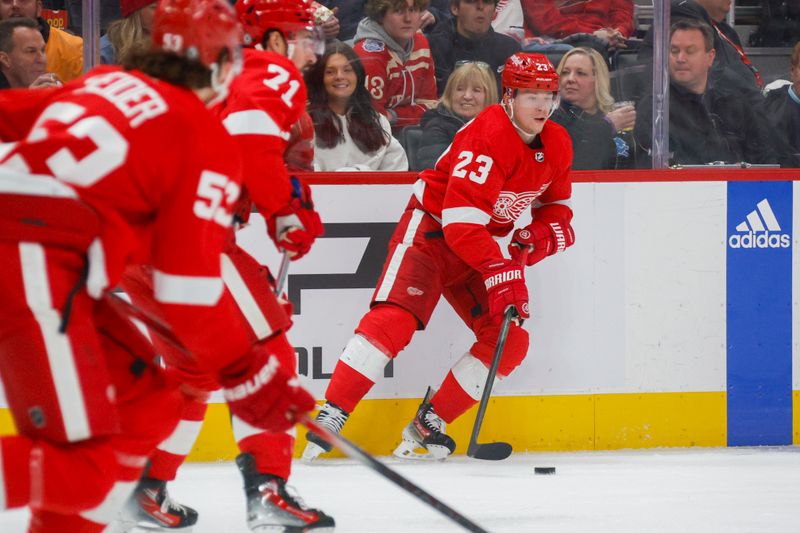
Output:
[[509, 205]]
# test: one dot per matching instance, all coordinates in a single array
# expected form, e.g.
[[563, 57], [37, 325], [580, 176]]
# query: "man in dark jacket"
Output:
[[727, 45], [469, 37], [708, 122]]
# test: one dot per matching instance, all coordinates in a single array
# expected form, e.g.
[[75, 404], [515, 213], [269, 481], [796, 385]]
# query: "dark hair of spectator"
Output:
[[363, 122], [796, 55], [7, 28], [376, 9], [169, 67], [694, 24]]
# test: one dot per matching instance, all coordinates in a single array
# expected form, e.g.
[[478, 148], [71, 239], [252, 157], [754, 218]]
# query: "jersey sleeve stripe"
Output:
[[464, 215], [188, 290], [13, 182], [244, 299], [253, 122]]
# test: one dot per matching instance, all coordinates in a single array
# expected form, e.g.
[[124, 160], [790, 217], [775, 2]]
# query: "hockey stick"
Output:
[[354, 452], [493, 451], [283, 273]]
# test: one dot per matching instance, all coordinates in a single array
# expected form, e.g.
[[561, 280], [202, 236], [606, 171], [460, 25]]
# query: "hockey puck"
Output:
[[544, 470]]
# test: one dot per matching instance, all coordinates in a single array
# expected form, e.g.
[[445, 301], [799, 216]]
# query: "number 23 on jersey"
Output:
[[475, 168]]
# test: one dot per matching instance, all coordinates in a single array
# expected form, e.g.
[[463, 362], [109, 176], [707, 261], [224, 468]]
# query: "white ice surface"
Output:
[[696, 490]]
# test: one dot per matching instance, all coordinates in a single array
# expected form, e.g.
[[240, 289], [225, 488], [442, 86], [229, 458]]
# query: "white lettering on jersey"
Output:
[[215, 195], [480, 174], [133, 97], [281, 78]]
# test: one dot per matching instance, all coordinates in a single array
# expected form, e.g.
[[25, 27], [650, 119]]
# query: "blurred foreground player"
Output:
[[263, 104], [508, 158], [81, 197]]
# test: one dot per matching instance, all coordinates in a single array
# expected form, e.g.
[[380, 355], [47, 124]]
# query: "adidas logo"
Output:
[[760, 229]]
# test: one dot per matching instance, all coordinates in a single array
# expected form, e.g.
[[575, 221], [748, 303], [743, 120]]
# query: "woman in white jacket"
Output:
[[349, 134]]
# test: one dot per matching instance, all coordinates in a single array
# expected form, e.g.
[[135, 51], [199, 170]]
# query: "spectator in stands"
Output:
[[586, 111], [469, 90], [397, 60], [350, 13], [22, 61], [350, 133], [129, 32], [783, 107], [64, 51], [469, 37], [728, 50], [610, 21], [708, 122]]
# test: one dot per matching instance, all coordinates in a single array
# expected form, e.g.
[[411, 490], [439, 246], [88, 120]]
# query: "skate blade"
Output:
[[408, 450], [311, 452]]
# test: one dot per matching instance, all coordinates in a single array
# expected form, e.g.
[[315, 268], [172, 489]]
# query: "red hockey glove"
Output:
[[505, 285], [262, 393], [543, 238], [295, 227]]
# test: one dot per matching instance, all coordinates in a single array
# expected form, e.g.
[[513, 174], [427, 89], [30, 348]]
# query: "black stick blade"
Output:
[[491, 451]]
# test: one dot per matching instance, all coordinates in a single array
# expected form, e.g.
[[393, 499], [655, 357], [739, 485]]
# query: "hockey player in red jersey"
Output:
[[81, 197], [262, 105], [508, 158]]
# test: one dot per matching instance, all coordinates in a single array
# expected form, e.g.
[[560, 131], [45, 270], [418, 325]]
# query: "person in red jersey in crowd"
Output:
[[506, 159], [263, 103], [84, 193]]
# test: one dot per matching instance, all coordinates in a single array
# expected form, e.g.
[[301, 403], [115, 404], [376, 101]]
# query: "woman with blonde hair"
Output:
[[587, 110], [129, 32], [469, 90]]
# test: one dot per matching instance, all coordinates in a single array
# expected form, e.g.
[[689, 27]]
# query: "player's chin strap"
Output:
[[221, 86], [527, 137]]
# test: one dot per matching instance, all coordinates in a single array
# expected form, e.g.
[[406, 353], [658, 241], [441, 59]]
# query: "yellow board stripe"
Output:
[[529, 423]]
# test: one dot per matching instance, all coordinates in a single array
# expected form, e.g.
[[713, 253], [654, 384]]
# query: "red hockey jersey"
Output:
[[406, 89], [488, 176], [560, 19], [163, 176], [264, 101]]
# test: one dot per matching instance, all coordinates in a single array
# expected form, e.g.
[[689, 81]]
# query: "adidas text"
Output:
[[760, 240]]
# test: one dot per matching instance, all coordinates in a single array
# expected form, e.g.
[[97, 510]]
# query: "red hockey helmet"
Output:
[[529, 71], [197, 29], [258, 16]]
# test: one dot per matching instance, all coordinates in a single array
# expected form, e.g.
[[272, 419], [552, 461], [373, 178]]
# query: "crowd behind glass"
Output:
[[399, 77]]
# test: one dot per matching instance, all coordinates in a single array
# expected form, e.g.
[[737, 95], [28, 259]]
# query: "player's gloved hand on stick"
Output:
[[505, 285], [295, 227], [542, 237], [262, 393]]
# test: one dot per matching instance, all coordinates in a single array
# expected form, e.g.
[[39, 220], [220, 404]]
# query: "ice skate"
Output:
[[331, 417], [150, 508], [424, 437], [271, 508]]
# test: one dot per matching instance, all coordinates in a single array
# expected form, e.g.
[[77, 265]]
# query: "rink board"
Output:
[[630, 338]]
